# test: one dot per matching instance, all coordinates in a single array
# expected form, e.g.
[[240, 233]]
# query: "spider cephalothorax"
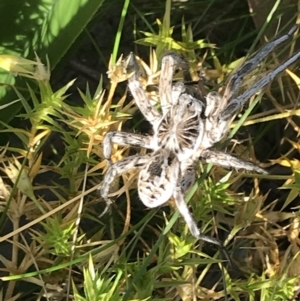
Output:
[[181, 128], [185, 130]]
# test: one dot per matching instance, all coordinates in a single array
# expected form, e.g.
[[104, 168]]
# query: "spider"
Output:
[[185, 130]]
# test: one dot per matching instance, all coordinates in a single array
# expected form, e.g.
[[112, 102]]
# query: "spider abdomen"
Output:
[[158, 179]]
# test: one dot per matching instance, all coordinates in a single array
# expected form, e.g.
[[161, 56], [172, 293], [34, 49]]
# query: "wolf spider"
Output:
[[185, 129]]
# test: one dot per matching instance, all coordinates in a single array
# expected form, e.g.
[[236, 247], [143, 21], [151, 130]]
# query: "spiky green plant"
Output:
[[151, 256]]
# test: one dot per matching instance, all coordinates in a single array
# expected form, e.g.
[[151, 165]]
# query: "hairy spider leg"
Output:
[[117, 169], [138, 93], [192, 225], [237, 78], [123, 138], [220, 109], [215, 129], [237, 103], [170, 62], [188, 176], [226, 160]]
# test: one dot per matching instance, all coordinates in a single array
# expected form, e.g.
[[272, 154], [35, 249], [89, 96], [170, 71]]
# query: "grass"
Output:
[[138, 254]]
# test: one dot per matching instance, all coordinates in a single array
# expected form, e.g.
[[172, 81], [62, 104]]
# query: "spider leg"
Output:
[[138, 93], [214, 102], [158, 179], [188, 177], [168, 95], [192, 225], [215, 129], [237, 103], [177, 90], [237, 78], [227, 160], [117, 169], [123, 138]]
